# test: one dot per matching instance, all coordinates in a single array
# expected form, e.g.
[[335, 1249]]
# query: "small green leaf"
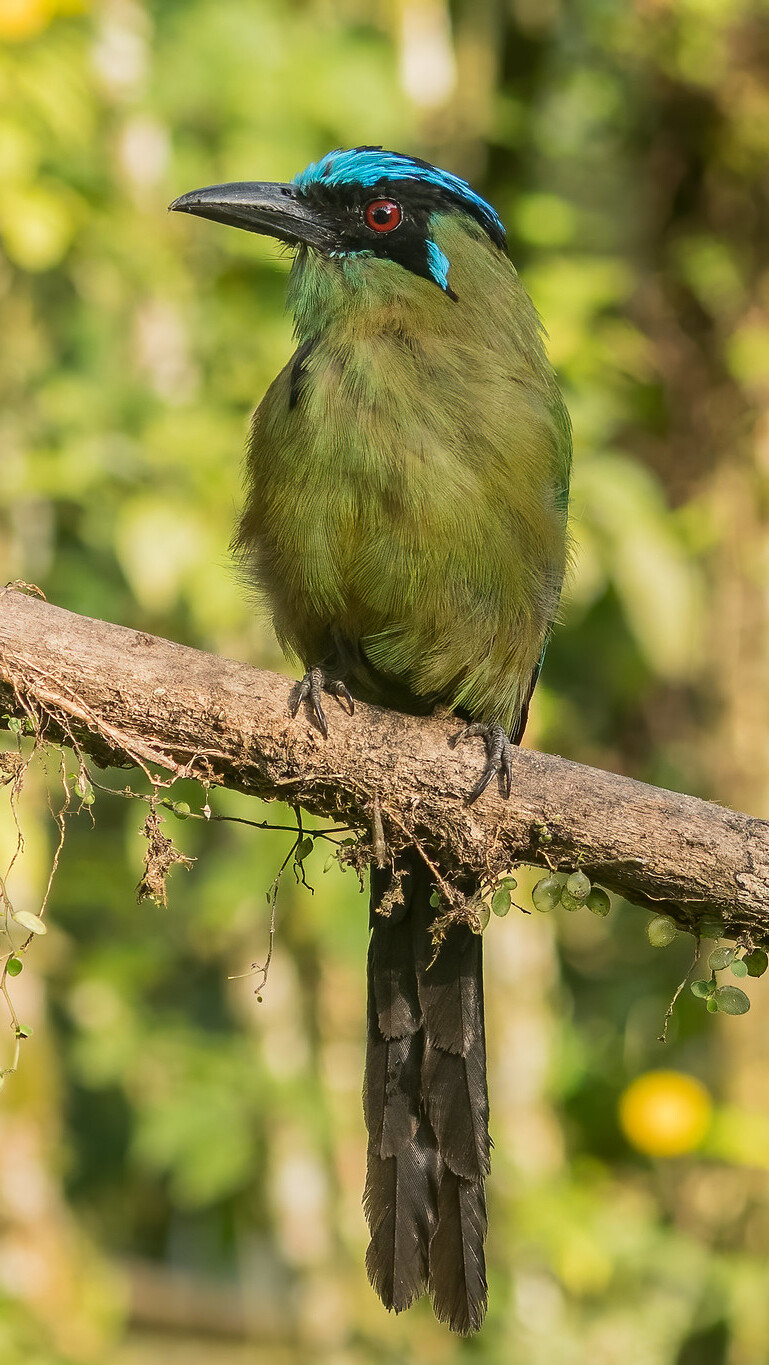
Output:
[[84, 788], [181, 809], [500, 901], [661, 931], [13, 966], [578, 885], [484, 915], [756, 962], [739, 968], [15, 725], [599, 901], [304, 847], [509, 883], [720, 958], [329, 863], [731, 1000], [546, 894], [702, 989], [712, 1004], [32, 923], [24, 1031], [435, 900]]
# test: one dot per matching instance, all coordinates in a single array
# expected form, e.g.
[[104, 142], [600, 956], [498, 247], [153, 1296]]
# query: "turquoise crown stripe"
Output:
[[438, 263], [370, 165]]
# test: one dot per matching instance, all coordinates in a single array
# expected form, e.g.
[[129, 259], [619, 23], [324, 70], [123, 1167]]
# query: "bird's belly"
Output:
[[406, 593]]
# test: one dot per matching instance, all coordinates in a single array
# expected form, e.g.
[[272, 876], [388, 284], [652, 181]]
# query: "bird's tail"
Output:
[[426, 1104]]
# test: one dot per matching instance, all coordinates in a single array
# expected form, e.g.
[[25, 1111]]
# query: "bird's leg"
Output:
[[499, 757], [310, 688]]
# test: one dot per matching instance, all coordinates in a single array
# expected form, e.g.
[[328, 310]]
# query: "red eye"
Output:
[[382, 215]]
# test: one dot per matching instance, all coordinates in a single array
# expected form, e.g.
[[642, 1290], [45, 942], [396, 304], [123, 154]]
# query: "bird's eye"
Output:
[[382, 215]]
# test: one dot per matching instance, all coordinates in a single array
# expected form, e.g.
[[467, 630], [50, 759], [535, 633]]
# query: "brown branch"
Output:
[[128, 698]]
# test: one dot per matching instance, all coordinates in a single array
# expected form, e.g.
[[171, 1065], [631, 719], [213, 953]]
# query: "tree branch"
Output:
[[127, 698]]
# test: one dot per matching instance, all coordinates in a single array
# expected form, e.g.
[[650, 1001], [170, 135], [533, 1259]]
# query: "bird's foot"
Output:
[[499, 757], [310, 688]]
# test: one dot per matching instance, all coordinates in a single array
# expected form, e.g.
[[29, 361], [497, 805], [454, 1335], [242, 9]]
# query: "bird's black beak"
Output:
[[273, 210]]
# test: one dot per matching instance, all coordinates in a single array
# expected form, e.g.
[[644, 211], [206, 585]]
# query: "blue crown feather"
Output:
[[370, 165]]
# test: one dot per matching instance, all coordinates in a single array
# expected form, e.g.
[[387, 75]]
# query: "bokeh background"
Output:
[[181, 1166]]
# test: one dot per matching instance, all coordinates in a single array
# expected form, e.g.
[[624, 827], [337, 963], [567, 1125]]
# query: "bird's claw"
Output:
[[310, 688], [499, 757]]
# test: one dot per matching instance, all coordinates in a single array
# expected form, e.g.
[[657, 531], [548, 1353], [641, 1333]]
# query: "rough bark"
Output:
[[128, 698]]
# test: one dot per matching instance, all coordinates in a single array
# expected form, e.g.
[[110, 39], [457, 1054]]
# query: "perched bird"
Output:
[[405, 515]]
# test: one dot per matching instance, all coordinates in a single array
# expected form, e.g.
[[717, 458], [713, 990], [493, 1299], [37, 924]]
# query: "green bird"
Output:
[[406, 503]]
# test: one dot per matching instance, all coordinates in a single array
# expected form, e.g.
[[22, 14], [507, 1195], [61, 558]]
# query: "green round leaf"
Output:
[[739, 968], [304, 847], [720, 958], [712, 1004], [661, 931], [181, 809], [500, 901], [578, 885], [756, 962], [599, 901], [509, 883], [13, 966], [731, 1000], [435, 900], [32, 923], [546, 894], [702, 989]]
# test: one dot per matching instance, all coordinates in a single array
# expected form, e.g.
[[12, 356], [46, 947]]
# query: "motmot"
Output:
[[407, 478]]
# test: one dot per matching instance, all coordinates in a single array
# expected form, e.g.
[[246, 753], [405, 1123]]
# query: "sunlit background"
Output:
[[180, 1165]]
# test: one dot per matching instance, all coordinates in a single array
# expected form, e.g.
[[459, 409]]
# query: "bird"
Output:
[[405, 518]]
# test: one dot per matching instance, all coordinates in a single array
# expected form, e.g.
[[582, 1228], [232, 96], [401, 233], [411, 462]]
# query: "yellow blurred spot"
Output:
[[665, 1113], [37, 225], [20, 19]]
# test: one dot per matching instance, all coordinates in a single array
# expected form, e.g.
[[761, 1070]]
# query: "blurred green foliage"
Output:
[[176, 1157]]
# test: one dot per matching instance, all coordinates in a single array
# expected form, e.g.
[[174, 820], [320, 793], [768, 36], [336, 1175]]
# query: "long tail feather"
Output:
[[400, 1201], [426, 1104], [457, 1278]]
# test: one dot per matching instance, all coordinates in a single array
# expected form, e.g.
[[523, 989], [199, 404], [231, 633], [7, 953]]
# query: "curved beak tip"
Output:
[[180, 204]]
